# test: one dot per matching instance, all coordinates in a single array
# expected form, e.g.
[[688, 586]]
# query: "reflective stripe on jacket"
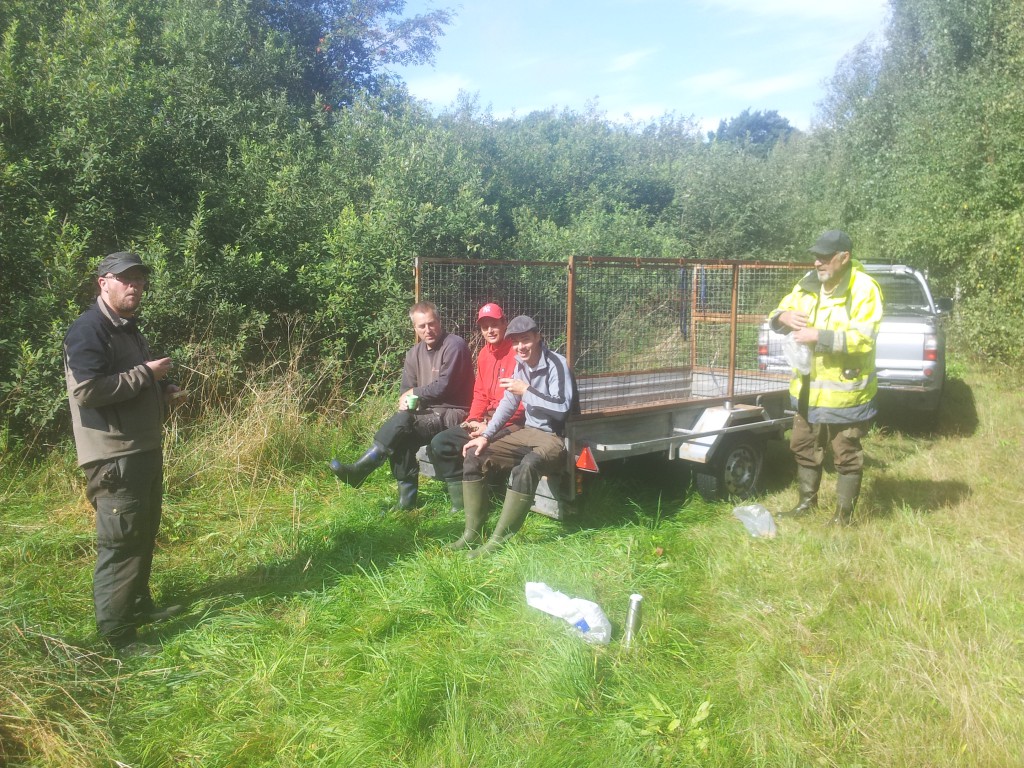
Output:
[[843, 383]]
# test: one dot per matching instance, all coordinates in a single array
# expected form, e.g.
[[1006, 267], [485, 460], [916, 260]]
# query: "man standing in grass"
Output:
[[543, 384], [836, 312], [118, 395], [437, 387], [495, 361]]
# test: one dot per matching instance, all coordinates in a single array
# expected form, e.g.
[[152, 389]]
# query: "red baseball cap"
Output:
[[490, 310]]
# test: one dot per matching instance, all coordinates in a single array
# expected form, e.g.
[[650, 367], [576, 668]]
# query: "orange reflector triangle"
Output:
[[585, 461]]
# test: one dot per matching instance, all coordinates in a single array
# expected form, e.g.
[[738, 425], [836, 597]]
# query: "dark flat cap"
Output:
[[521, 324]]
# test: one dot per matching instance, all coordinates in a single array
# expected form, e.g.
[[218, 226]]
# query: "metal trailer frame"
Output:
[[712, 413]]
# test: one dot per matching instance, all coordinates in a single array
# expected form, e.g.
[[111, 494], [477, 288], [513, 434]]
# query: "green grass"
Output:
[[323, 633]]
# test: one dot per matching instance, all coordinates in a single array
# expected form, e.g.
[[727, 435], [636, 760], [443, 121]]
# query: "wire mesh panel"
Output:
[[460, 287], [638, 333]]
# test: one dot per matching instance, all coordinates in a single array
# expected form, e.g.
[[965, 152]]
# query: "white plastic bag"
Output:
[[757, 520], [800, 356], [586, 617]]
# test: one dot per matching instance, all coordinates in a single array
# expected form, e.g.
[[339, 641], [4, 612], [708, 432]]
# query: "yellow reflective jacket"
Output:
[[842, 383]]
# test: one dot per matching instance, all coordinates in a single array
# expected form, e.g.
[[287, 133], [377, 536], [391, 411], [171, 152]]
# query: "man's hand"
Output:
[[806, 336], [474, 446], [402, 405], [173, 394], [794, 320], [474, 427], [517, 387], [160, 368]]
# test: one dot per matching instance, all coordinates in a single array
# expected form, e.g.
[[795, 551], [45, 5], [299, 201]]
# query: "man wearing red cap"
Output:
[[496, 360]]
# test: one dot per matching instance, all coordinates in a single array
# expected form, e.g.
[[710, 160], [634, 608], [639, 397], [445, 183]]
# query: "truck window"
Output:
[[901, 290]]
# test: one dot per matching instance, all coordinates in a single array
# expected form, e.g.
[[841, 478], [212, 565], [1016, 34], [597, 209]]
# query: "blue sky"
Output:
[[706, 59]]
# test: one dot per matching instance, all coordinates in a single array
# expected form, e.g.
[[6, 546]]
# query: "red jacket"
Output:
[[492, 363]]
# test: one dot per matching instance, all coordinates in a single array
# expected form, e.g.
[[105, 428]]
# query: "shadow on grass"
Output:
[[364, 538], [957, 415], [924, 496]]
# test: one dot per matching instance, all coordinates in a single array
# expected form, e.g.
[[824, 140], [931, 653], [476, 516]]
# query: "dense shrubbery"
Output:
[[260, 157]]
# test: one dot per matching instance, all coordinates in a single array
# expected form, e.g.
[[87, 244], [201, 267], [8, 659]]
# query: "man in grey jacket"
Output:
[[118, 394], [543, 384]]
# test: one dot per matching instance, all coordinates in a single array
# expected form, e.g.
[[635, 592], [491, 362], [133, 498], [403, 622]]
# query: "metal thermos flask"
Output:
[[633, 619]]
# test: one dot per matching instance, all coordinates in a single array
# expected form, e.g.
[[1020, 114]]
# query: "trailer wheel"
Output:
[[735, 471]]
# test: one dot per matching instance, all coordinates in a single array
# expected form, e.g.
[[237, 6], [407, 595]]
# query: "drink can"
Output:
[[633, 619], [412, 402]]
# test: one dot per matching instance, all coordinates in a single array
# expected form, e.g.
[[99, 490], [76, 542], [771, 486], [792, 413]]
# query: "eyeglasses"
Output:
[[140, 280]]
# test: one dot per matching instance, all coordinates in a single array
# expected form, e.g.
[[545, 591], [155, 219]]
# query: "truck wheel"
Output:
[[735, 470]]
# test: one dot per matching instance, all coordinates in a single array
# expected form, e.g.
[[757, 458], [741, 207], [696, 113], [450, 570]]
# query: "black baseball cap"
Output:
[[116, 263], [832, 242]]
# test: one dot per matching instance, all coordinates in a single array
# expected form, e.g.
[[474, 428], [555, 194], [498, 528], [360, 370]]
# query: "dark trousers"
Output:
[[127, 494], [809, 441], [404, 433], [445, 452], [529, 453]]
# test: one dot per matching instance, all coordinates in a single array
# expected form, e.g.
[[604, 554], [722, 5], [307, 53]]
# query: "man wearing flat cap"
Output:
[[543, 384], [836, 311], [118, 393]]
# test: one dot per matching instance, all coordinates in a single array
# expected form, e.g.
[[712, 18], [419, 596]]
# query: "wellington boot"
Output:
[[476, 494], [408, 494], [847, 491], [513, 513], [455, 494], [808, 480], [355, 474]]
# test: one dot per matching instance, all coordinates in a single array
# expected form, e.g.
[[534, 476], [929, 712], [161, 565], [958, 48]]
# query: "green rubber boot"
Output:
[[847, 491], [808, 480], [455, 494], [513, 514], [475, 496]]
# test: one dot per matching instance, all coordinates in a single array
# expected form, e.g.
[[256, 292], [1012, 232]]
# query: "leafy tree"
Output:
[[756, 131]]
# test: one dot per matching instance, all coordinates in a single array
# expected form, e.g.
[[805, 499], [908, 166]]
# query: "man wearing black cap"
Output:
[[836, 312], [118, 395], [543, 384]]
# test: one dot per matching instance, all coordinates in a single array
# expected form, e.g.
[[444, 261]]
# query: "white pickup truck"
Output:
[[910, 353]]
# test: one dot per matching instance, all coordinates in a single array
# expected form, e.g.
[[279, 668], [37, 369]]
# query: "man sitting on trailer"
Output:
[[437, 383], [543, 384], [495, 361]]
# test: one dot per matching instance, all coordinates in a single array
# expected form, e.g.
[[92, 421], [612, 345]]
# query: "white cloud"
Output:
[[837, 10], [629, 61], [439, 88], [735, 84]]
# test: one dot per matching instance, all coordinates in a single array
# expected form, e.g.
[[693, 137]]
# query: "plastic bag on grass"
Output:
[[586, 617], [757, 520]]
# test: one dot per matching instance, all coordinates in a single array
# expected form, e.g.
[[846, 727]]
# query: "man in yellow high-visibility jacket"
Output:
[[835, 311]]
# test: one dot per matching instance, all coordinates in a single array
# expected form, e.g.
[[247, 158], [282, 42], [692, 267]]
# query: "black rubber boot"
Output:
[[355, 474], [513, 513], [408, 492], [808, 480], [476, 495], [455, 494], [847, 491]]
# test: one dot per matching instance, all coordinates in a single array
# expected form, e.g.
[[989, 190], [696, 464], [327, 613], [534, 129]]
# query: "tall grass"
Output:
[[325, 633]]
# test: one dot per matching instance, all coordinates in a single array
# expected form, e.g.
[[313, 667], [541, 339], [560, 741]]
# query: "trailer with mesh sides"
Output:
[[664, 352]]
